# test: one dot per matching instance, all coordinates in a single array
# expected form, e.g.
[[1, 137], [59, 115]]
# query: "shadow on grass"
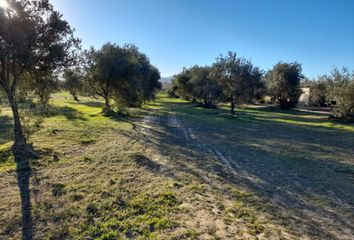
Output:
[[91, 104], [6, 133], [271, 114], [69, 113], [24, 172], [297, 173]]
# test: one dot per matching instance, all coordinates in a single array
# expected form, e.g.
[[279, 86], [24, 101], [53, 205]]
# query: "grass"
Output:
[[156, 173]]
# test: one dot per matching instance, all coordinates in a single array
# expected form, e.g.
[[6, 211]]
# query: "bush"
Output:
[[341, 90]]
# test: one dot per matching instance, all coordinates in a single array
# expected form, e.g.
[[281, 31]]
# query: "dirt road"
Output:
[[293, 201]]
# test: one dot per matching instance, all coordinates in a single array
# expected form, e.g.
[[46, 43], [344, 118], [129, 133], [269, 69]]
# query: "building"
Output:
[[304, 99]]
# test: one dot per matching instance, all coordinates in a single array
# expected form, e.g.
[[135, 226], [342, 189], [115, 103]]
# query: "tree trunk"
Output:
[[107, 105], [75, 97], [20, 144], [232, 106]]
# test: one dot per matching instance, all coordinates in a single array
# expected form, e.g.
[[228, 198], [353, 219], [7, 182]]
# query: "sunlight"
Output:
[[4, 4]]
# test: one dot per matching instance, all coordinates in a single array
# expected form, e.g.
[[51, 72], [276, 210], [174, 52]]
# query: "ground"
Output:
[[176, 171]]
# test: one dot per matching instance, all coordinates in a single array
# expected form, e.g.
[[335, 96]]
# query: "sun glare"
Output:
[[4, 4]]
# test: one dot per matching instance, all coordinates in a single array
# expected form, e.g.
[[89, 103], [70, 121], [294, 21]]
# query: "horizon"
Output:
[[177, 34]]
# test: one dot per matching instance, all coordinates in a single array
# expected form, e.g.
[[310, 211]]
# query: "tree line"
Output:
[[39, 55], [236, 80]]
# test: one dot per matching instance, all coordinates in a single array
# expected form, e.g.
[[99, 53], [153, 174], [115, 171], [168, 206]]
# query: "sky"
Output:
[[174, 34]]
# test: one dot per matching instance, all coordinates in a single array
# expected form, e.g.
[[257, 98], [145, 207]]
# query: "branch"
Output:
[[94, 89]]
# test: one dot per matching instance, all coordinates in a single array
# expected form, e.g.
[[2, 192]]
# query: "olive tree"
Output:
[[182, 86], [318, 92], [73, 82], [341, 89], [44, 85], [121, 74], [283, 83], [238, 78], [33, 37], [204, 87]]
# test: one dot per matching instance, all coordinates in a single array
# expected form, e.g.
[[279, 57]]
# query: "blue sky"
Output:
[[178, 33]]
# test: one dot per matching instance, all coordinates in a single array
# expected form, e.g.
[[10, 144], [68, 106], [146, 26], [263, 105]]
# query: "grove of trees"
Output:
[[237, 81], [230, 78], [39, 56]]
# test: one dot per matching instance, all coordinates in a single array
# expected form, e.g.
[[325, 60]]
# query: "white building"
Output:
[[304, 99]]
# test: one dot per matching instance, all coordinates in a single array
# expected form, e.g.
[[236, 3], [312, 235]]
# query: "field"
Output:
[[172, 170]]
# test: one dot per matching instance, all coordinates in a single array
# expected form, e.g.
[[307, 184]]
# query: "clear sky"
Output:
[[177, 33]]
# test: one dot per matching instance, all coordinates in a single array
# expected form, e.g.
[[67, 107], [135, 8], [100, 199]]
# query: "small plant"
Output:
[[58, 189], [87, 141], [87, 159]]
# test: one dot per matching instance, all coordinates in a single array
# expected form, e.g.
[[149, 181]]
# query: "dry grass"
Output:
[[173, 171]]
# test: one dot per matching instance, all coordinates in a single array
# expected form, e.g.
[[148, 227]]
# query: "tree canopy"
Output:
[[122, 74], [238, 78], [283, 83]]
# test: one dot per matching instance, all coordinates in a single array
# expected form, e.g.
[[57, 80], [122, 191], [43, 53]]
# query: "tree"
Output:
[[44, 85], [182, 85], [33, 37], [204, 87], [151, 82], [341, 89], [106, 71], [122, 74], [283, 84], [238, 78], [73, 82], [318, 92]]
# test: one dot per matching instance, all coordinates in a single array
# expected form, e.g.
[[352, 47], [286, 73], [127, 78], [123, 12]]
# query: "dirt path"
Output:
[[284, 193]]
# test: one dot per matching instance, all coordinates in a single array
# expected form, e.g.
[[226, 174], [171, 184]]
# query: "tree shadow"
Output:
[[294, 170], [69, 113], [24, 172], [91, 104]]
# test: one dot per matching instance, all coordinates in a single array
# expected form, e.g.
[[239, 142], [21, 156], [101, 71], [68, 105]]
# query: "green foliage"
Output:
[[238, 78], [35, 41], [229, 79], [73, 82], [318, 93], [182, 86], [122, 74], [196, 83], [283, 84], [31, 116], [204, 86], [44, 86], [341, 89]]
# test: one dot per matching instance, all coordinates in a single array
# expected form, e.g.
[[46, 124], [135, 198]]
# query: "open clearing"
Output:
[[175, 171]]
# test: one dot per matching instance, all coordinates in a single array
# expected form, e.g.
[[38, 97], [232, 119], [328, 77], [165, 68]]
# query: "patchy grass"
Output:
[[172, 170]]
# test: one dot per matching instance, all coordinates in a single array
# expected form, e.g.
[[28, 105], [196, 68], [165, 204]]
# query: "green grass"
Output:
[[122, 176]]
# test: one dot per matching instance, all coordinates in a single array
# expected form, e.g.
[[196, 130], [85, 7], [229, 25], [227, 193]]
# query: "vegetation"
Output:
[[318, 93], [230, 79], [161, 167], [121, 73], [34, 38], [341, 89], [283, 84], [73, 83], [101, 177], [238, 79]]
